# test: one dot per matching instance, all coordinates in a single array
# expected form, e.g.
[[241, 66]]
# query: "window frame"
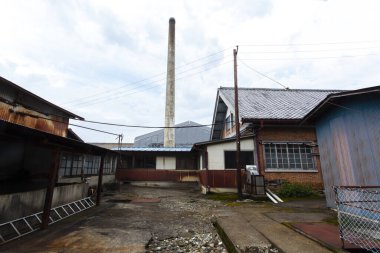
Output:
[[228, 122], [308, 156]]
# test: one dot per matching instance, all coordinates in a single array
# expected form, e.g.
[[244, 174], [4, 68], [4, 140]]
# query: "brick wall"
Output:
[[290, 134]]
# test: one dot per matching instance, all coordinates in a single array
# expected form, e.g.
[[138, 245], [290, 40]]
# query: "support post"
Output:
[[50, 188], [237, 123], [100, 179], [207, 172]]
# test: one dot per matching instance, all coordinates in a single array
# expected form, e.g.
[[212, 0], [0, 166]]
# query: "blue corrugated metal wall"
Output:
[[349, 144]]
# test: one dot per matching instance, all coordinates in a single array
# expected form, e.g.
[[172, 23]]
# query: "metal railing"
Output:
[[359, 216], [16, 228]]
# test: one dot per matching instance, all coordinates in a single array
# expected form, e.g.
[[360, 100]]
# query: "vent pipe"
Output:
[[169, 133]]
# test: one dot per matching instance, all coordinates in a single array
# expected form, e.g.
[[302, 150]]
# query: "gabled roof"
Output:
[[332, 100], [12, 93], [184, 137], [257, 104]]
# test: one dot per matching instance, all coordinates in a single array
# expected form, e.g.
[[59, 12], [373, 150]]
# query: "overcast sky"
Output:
[[106, 60]]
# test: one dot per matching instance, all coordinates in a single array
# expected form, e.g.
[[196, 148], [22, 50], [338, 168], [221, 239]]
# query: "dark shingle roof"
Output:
[[184, 137], [279, 104]]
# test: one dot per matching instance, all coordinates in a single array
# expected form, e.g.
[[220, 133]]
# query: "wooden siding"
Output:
[[219, 178], [349, 145], [156, 175]]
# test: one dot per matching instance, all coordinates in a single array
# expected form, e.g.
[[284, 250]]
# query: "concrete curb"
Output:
[[231, 232]]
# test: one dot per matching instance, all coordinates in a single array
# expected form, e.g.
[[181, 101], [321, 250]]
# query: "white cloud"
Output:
[[66, 51]]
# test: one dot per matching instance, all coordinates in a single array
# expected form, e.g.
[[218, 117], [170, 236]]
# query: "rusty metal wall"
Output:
[[349, 145], [22, 116]]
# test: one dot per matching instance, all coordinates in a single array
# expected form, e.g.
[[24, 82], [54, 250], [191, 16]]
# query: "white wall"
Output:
[[165, 163], [216, 152]]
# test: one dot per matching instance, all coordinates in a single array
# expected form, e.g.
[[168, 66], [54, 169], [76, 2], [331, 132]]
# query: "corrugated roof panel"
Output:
[[184, 137], [160, 149]]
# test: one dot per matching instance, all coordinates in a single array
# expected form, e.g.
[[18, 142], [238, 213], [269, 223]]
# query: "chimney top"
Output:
[[172, 21]]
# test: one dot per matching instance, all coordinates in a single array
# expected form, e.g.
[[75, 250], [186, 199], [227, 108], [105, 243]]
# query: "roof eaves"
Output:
[[70, 114], [332, 96]]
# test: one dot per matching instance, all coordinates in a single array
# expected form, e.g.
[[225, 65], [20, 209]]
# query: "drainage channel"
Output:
[[19, 227]]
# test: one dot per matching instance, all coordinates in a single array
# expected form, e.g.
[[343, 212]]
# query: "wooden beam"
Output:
[[100, 179], [50, 188]]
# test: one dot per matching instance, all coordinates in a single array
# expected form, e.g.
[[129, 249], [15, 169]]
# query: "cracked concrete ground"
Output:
[[127, 221], [175, 219]]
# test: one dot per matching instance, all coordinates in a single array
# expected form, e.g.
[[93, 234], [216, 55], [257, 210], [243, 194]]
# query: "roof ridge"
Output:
[[279, 89]]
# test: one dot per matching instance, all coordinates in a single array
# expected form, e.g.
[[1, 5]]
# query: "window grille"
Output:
[[288, 156]]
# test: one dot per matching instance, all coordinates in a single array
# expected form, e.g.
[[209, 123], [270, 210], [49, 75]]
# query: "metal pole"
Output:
[[50, 189], [100, 179], [237, 127]]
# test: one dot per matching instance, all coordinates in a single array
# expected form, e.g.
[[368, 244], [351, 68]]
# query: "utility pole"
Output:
[[237, 129]]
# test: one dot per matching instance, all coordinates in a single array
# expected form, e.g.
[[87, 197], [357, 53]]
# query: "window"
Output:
[[145, 162], [109, 165], [186, 163], [70, 165], [228, 122], [246, 158], [91, 165], [288, 156]]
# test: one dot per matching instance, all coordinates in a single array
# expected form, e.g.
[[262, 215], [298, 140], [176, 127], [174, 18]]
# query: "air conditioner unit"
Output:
[[252, 169]]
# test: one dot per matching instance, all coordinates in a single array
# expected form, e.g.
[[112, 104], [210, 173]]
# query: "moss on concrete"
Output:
[[227, 242]]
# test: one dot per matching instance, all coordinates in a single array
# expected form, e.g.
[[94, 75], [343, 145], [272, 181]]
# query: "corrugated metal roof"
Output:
[[260, 103], [160, 149], [184, 137]]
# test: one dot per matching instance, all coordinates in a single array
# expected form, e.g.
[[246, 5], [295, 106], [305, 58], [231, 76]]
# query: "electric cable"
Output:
[[310, 44], [118, 96], [262, 74], [145, 79]]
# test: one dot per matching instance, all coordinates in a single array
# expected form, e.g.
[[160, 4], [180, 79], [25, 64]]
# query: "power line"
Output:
[[262, 74], [145, 79], [118, 96], [307, 51], [153, 82], [110, 124], [309, 44], [93, 129], [308, 58]]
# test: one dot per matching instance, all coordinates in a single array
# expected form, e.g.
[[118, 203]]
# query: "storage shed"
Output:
[[348, 132]]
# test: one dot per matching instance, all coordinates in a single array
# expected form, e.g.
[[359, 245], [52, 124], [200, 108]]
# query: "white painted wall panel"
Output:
[[165, 163], [216, 152]]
